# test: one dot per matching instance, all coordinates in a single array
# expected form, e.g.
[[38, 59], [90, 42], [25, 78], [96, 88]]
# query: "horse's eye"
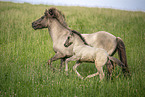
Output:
[[68, 37], [42, 17]]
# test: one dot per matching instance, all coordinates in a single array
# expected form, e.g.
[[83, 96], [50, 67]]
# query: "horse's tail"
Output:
[[115, 60], [122, 54]]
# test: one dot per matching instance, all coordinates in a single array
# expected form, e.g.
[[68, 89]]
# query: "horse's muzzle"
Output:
[[65, 45], [34, 26]]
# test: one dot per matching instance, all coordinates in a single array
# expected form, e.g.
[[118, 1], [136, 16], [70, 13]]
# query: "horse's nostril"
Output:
[[33, 23]]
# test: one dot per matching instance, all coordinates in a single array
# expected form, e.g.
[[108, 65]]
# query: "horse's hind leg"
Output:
[[74, 68], [110, 68]]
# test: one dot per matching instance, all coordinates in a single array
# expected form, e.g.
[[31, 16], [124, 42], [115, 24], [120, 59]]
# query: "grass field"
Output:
[[24, 53]]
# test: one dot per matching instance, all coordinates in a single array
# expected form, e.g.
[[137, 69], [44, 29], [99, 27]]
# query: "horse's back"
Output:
[[103, 40]]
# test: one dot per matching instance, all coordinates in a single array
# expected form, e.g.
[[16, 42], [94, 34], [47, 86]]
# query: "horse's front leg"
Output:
[[62, 63], [54, 58]]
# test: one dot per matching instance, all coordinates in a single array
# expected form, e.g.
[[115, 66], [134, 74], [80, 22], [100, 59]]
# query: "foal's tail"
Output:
[[115, 60]]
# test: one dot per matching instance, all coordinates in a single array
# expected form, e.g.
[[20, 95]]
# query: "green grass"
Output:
[[24, 53]]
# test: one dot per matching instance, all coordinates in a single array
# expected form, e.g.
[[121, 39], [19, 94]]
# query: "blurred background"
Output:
[[131, 5]]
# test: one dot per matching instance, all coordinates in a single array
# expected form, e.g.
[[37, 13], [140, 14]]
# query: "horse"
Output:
[[54, 20], [82, 52]]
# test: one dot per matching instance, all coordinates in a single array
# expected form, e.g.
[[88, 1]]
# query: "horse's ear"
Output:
[[46, 12], [50, 13]]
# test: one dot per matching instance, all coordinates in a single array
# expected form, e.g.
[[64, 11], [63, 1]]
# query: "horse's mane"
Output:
[[59, 16], [61, 19], [83, 39]]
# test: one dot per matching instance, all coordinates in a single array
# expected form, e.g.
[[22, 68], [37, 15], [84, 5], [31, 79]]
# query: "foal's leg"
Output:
[[92, 75], [74, 68], [99, 66], [54, 58], [98, 71], [101, 73], [73, 58]]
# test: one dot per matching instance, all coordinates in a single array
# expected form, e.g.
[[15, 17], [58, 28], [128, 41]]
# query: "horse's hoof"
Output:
[[66, 73], [59, 70], [53, 70], [82, 77], [85, 78], [48, 62]]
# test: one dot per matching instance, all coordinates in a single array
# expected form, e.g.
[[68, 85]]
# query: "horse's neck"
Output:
[[56, 30], [78, 41]]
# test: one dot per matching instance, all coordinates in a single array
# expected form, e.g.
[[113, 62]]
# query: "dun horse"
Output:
[[82, 52], [54, 20]]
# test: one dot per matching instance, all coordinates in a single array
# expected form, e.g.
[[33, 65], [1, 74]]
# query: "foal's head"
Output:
[[74, 35], [69, 40], [50, 14]]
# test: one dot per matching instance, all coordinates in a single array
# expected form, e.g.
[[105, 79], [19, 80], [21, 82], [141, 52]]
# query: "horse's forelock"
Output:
[[46, 12], [55, 13]]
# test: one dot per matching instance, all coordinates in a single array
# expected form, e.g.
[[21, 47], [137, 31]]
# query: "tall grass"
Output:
[[24, 53]]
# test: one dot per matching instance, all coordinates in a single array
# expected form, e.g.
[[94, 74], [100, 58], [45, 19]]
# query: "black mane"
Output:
[[61, 19], [75, 32], [59, 16]]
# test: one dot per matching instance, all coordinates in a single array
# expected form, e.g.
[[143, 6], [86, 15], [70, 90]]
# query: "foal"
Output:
[[84, 53]]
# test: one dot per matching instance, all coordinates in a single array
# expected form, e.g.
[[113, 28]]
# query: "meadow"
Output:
[[24, 53]]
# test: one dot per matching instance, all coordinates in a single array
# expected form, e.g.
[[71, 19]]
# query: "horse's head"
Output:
[[69, 40], [50, 14], [44, 20]]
